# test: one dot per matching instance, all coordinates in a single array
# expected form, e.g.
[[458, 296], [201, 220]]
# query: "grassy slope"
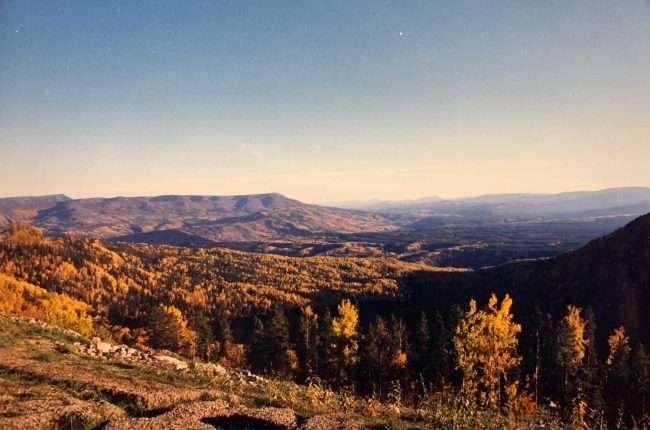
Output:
[[48, 384]]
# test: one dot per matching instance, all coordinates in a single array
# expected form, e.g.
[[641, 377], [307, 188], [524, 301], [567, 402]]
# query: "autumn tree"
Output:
[[399, 348], [590, 374], [618, 367], [345, 341], [485, 343], [571, 346]]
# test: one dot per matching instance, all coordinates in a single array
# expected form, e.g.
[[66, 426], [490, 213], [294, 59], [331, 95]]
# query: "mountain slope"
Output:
[[16, 209], [610, 274], [213, 218]]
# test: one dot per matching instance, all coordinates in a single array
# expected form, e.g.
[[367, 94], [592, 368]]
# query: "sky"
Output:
[[323, 100]]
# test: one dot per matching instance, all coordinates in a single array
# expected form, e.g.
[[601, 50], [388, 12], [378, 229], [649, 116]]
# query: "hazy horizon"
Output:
[[324, 202], [323, 102]]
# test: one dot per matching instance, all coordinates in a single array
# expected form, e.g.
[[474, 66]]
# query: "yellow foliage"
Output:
[[486, 347], [571, 342], [344, 327], [399, 359], [23, 298], [619, 345]]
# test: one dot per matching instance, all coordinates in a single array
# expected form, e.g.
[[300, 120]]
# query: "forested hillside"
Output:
[[127, 280], [566, 334]]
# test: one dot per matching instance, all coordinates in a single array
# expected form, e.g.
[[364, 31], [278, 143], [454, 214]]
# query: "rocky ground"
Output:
[[54, 379]]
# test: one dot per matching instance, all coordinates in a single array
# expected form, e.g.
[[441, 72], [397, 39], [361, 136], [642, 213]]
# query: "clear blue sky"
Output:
[[323, 100]]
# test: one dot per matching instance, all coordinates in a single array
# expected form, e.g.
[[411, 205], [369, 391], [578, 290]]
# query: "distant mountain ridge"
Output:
[[26, 208], [191, 220], [521, 204], [212, 218]]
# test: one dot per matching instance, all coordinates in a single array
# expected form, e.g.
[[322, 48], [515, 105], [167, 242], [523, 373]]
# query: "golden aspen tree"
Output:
[[501, 353], [618, 365], [571, 346], [571, 340], [466, 344], [486, 348], [344, 330], [619, 346]]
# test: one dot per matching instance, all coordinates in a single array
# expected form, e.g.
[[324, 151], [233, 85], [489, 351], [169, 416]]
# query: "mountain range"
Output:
[[210, 218], [207, 220], [522, 205]]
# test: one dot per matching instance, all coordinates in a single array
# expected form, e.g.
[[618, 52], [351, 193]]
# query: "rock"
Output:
[[211, 369], [171, 361], [99, 346], [103, 347]]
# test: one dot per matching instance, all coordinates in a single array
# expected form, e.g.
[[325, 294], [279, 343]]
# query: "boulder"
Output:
[[99, 346], [103, 347], [211, 369], [172, 362]]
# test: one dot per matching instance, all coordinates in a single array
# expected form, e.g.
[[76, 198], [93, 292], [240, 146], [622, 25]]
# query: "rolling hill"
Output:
[[184, 218]]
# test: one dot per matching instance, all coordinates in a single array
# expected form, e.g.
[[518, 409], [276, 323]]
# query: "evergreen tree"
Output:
[[590, 375], [640, 380], [375, 359], [307, 343], [442, 360], [422, 348], [205, 337], [222, 330], [281, 357], [168, 330], [257, 347], [326, 349]]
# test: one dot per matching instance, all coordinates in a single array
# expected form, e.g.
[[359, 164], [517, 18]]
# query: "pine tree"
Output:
[[590, 377], [640, 380], [257, 347], [307, 343], [375, 358], [281, 357], [222, 330], [422, 348], [442, 360], [326, 349], [205, 337], [223, 336], [168, 330]]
